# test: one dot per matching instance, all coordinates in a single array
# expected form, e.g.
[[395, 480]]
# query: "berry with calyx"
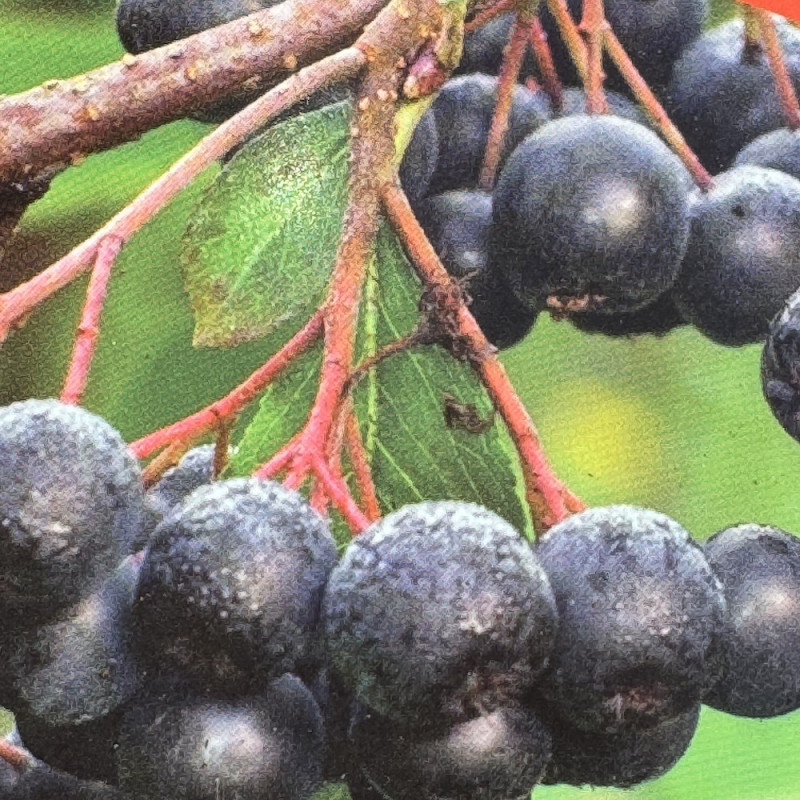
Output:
[[499, 755], [722, 94], [231, 585], [621, 759], [759, 567], [458, 225], [780, 366], [590, 213], [639, 610], [657, 319], [743, 257], [201, 749], [70, 507], [440, 608], [463, 111]]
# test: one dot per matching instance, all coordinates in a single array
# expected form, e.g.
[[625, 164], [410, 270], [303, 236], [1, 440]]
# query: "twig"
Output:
[[340, 495], [592, 26], [547, 69], [361, 468], [570, 35], [165, 460], [655, 110], [89, 326], [486, 15], [15, 305], [506, 83], [66, 119], [547, 496], [222, 445], [777, 63], [210, 418], [18, 758]]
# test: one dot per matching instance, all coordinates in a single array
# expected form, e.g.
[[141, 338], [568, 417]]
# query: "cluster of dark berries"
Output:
[[592, 217], [176, 671], [442, 657]]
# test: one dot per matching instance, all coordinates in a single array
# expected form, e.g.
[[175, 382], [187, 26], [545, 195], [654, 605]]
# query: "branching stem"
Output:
[[547, 496], [777, 63]]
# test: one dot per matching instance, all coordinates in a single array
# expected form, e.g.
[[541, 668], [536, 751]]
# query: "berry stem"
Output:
[[361, 469], [544, 58], [777, 63], [89, 326], [592, 26], [655, 110], [339, 493], [210, 418], [165, 460], [486, 15], [18, 758], [546, 495], [506, 83], [570, 35], [16, 304]]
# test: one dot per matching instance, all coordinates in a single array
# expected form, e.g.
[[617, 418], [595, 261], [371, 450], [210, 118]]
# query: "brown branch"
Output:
[[210, 418], [506, 83], [89, 326], [486, 15], [16, 304], [777, 63], [655, 110], [547, 496], [64, 120]]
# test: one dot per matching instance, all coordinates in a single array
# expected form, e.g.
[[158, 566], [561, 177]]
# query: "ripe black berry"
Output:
[[463, 112], [251, 749], [722, 94], [459, 227], [780, 366], [743, 258], [70, 506], [81, 667], [658, 319], [621, 759], [231, 584], [759, 568], [438, 609], [778, 149], [639, 609], [495, 756], [419, 160], [590, 213]]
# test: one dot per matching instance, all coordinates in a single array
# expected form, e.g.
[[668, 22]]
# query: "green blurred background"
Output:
[[675, 423]]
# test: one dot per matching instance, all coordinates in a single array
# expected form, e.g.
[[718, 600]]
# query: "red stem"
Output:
[[655, 110], [16, 304], [361, 469], [777, 63], [592, 25], [506, 83], [488, 14], [338, 492], [89, 326], [570, 35], [547, 496], [18, 758], [209, 418], [547, 69]]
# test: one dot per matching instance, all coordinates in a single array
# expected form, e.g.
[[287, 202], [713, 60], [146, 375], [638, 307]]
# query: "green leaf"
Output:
[[414, 455], [282, 411], [261, 245]]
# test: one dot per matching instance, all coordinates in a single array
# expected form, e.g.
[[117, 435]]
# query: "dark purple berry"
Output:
[[780, 366]]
